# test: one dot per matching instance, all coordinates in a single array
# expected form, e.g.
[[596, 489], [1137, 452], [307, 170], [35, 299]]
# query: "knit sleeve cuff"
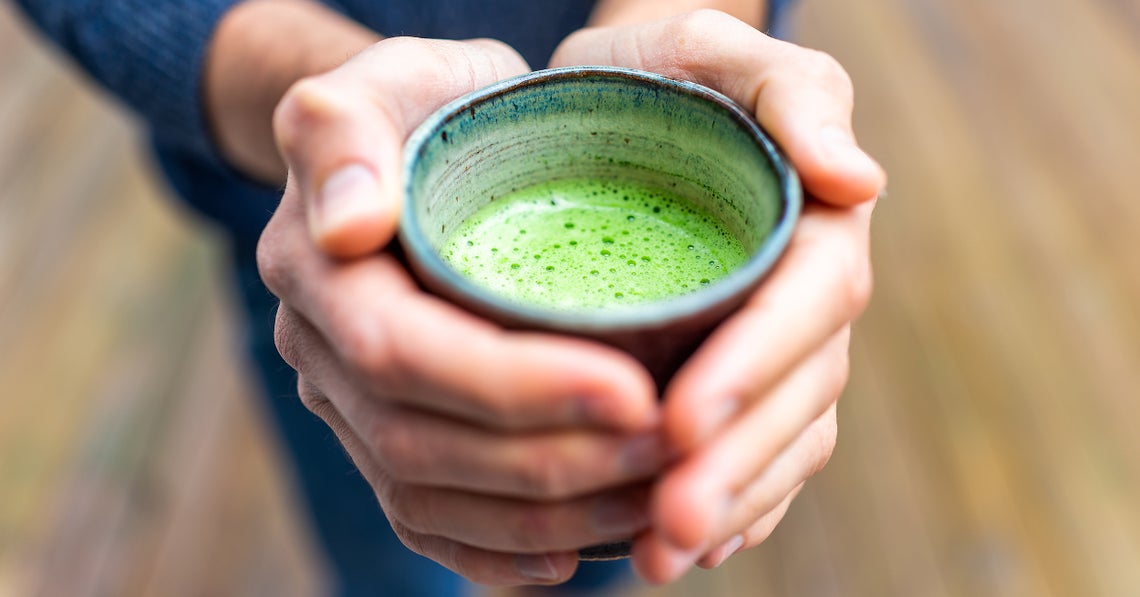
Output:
[[779, 25], [152, 55]]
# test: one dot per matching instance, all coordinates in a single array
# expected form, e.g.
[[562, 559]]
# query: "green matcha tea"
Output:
[[584, 244]]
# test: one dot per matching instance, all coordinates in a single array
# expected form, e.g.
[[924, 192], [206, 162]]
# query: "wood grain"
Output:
[[988, 440]]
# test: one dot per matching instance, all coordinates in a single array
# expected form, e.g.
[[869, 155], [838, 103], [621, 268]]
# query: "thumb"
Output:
[[342, 133], [801, 96]]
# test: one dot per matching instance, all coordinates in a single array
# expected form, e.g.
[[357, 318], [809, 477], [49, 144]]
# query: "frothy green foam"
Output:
[[585, 244]]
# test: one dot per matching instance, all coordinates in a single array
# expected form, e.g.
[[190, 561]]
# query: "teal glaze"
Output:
[[596, 122]]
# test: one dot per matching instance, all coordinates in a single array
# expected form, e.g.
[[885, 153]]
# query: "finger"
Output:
[[518, 526], [803, 97], [478, 565], [420, 448], [702, 499], [427, 450], [716, 557], [659, 562], [756, 534], [492, 568], [341, 133], [773, 488], [784, 478], [819, 287], [438, 357]]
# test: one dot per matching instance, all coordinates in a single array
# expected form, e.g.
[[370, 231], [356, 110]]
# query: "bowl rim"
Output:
[[602, 320]]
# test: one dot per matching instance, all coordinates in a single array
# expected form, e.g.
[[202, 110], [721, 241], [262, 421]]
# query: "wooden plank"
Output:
[[988, 437], [983, 288]]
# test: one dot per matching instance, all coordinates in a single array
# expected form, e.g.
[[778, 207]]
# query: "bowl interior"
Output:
[[597, 127], [597, 123]]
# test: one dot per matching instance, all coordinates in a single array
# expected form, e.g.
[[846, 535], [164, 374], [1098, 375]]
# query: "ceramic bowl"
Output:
[[597, 122], [600, 123]]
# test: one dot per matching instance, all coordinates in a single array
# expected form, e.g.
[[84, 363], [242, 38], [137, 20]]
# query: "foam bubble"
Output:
[[568, 225]]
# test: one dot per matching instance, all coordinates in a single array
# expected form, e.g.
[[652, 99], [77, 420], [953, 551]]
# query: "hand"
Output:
[[495, 453], [753, 411]]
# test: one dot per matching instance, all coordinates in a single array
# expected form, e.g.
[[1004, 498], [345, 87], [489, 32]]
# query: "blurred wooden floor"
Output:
[[990, 437]]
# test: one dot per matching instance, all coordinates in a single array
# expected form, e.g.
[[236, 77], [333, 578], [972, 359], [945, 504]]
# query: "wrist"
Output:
[[631, 12], [260, 48]]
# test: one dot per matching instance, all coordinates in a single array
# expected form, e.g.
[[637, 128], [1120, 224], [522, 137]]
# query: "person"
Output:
[[493, 453]]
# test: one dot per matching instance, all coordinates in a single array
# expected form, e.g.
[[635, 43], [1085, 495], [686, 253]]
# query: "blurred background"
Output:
[[989, 439]]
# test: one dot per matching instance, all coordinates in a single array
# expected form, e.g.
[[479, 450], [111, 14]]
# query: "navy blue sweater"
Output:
[[150, 53]]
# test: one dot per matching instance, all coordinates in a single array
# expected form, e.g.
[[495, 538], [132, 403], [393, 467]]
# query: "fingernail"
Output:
[[729, 549], [348, 193], [840, 146], [642, 456], [619, 516], [538, 568], [679, 562]]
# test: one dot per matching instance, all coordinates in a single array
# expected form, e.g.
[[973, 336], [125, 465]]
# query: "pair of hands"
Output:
[[499, 453]]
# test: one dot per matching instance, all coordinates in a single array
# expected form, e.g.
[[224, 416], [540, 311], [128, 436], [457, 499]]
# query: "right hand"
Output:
[[496, 453], [751, 415]]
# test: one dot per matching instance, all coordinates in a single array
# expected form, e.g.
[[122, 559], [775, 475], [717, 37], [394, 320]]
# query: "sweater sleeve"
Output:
[[778, 17], [149, 53]]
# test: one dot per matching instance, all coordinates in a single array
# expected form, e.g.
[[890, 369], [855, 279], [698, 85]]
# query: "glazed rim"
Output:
[[640, 315]]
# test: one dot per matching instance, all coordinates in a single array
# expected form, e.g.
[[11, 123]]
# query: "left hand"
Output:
[[752, 413], [495, 453]]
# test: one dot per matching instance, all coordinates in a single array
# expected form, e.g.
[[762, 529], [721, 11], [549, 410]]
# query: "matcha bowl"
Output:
[[605, 203]]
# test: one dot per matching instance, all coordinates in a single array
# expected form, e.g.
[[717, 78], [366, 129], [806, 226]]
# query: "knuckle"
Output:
[[385, 489], [841, 373], [826, 69], [860, 287], [495, 49], [465, 562], [836, 374], [690, 36], [318, 403], [543, 475], [411, 539], [314, 399], [529, 526], [271, 260], [286, 337], [856, 283], [308, 104], [405, 57], [369, 351], [827, 435], [396, 447], [407, 46], [487, 401], [461, 560], [402, 504], [702, 22]]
